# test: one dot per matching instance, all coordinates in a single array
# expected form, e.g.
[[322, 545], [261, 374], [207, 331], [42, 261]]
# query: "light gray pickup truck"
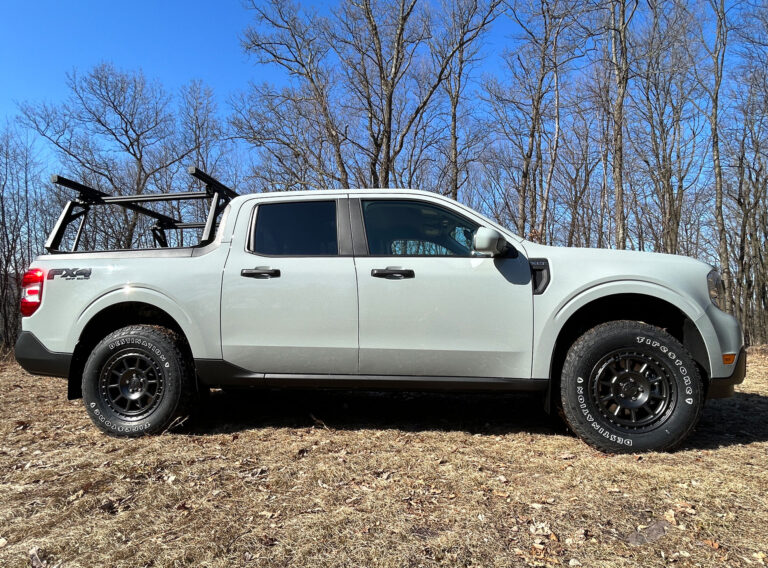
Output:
[[374, 289]]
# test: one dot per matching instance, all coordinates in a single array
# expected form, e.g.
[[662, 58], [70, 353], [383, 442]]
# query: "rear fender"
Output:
[[195, 337]]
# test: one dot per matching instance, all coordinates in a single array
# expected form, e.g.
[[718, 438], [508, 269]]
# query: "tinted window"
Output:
[[415, 228], [305, 228]]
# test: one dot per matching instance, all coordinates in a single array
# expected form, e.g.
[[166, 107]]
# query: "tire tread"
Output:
[[580, 349], [187, 387]]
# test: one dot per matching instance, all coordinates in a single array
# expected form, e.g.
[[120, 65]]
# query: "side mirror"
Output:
[[489, 241]]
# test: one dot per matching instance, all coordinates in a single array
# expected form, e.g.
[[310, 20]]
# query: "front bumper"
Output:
[[723, 388], [36, 359]]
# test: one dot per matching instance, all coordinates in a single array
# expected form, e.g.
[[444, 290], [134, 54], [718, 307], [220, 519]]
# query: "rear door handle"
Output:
[[260, 272], [393, 273]]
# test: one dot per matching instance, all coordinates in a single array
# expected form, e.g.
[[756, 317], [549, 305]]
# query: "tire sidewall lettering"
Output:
[[115, 426], [583, 409], [676, 361], [152, 345]]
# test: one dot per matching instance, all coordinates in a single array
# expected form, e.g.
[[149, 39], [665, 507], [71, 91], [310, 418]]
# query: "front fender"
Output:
[[546, 334]]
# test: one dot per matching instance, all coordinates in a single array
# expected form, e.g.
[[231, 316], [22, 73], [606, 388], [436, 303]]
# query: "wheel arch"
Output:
[[110, 318], [635, 306]]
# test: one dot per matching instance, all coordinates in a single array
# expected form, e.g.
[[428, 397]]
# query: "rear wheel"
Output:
[[630, 387], [137, 381]]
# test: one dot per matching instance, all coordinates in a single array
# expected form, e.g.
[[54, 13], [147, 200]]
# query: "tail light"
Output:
[[31, 291]]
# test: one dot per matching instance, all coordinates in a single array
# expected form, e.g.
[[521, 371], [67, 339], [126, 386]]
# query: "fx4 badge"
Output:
[[70, 273]]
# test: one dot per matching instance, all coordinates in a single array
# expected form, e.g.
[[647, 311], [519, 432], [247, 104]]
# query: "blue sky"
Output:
[[174, 42]]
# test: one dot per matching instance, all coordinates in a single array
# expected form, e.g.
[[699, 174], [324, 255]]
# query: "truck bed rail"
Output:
[[87, 197]]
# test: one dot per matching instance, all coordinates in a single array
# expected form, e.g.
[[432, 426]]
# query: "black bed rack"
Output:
[[219, 194]]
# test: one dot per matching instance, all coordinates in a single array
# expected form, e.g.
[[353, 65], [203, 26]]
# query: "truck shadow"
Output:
[[725, 422], [740, 419], [353, 410]]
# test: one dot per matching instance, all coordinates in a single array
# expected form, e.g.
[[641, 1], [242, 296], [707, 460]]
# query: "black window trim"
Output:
[[360, 238], [343, 228]]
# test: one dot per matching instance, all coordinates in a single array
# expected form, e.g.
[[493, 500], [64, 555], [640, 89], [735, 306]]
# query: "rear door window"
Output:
[[297, 228]]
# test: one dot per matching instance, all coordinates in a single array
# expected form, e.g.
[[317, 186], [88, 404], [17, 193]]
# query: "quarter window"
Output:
[[298, 228], [415, 228]]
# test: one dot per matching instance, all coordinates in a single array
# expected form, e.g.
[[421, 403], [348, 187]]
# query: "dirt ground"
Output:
[[353, 479]]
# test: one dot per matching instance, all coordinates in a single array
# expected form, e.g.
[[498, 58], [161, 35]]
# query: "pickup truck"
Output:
[[374, 289]]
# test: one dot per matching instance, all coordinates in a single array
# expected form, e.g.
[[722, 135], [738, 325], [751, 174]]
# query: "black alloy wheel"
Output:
[[632, 390], [132, 383]]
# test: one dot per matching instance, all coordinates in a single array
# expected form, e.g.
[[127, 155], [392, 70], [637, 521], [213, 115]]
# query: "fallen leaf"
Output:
[[686, 508], [541, 529], [268, 514], [711, 543], [75, 496]]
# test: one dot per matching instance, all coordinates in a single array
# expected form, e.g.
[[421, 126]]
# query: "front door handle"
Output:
[[393, 273], [260, 272]]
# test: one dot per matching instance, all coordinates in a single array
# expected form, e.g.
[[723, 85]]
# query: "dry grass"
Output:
[[340, 479]]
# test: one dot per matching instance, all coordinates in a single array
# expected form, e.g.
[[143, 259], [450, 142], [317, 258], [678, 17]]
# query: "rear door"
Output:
[[289, 297], [428, 306]]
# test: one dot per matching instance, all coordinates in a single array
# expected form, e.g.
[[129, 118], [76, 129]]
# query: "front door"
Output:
[[289, 296], [428, 307]]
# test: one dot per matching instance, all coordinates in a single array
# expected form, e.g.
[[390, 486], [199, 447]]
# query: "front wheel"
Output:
[[630, 387], [138, 381]]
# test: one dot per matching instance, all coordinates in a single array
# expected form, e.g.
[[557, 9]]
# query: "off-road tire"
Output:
[[628, 387], [138, 380]]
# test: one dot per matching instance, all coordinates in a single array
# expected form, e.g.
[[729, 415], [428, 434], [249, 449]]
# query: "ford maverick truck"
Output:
[[373, 289]]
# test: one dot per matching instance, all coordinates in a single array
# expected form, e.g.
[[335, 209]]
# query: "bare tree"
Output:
[[666, 126], [620, 16], [710, 78], [120, 133], [116, 132], [461, 15], [24, 221], [527, 106], [364, 80]]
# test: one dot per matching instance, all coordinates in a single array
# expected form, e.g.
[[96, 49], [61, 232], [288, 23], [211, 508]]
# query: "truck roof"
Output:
[[337, 192]]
